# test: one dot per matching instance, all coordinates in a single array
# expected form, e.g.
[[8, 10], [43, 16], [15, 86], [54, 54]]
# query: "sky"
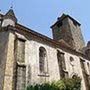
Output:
[[39, 15]]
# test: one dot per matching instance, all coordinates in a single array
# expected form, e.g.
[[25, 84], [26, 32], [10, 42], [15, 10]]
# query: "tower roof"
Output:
[[10, 14], [60, 19]]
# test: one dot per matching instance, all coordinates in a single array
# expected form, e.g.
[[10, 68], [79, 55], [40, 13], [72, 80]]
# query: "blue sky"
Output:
[[39, 15]]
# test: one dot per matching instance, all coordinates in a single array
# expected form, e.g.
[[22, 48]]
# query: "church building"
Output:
[[28, 57]]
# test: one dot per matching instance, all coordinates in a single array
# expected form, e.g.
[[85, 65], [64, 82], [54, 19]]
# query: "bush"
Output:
[[64, 84]]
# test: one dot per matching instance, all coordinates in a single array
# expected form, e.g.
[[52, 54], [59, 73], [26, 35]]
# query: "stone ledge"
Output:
[[43, 75]]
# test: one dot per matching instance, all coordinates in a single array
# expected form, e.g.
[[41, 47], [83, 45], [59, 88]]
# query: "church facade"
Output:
[[28, 57]]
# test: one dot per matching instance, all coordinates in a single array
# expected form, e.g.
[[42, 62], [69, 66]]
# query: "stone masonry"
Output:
[[20, 54], [69, 30]]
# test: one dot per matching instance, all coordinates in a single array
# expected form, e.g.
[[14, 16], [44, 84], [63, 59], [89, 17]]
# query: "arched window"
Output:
[[42, 60]]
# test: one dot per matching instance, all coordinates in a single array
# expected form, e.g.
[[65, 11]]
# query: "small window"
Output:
[[29, 74], [74, 76], [59, 24], [72, 61]]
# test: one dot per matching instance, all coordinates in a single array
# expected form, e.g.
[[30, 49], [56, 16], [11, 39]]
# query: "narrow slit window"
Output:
[[62, 65]]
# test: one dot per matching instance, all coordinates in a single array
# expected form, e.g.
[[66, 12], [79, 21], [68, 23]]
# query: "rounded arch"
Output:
[[74, 75], [42, 49]]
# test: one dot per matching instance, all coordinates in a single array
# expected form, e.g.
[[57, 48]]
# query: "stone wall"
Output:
[[77, 35], [74, 67], [33, 75], [32, 60], [3, 55], [8, 78], [7, 22]]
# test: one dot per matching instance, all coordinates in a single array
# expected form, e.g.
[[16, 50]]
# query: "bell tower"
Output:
[[68, 29]]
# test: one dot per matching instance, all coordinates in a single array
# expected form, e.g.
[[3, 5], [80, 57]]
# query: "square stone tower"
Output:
[[68, 29]]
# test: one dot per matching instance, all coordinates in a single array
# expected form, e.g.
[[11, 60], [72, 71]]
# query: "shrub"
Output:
[[63, 84]]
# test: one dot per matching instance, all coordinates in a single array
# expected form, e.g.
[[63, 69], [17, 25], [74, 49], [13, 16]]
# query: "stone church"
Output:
[[28, 57]]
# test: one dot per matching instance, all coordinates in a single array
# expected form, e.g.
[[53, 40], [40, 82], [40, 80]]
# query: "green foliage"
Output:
[[64, 84]]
